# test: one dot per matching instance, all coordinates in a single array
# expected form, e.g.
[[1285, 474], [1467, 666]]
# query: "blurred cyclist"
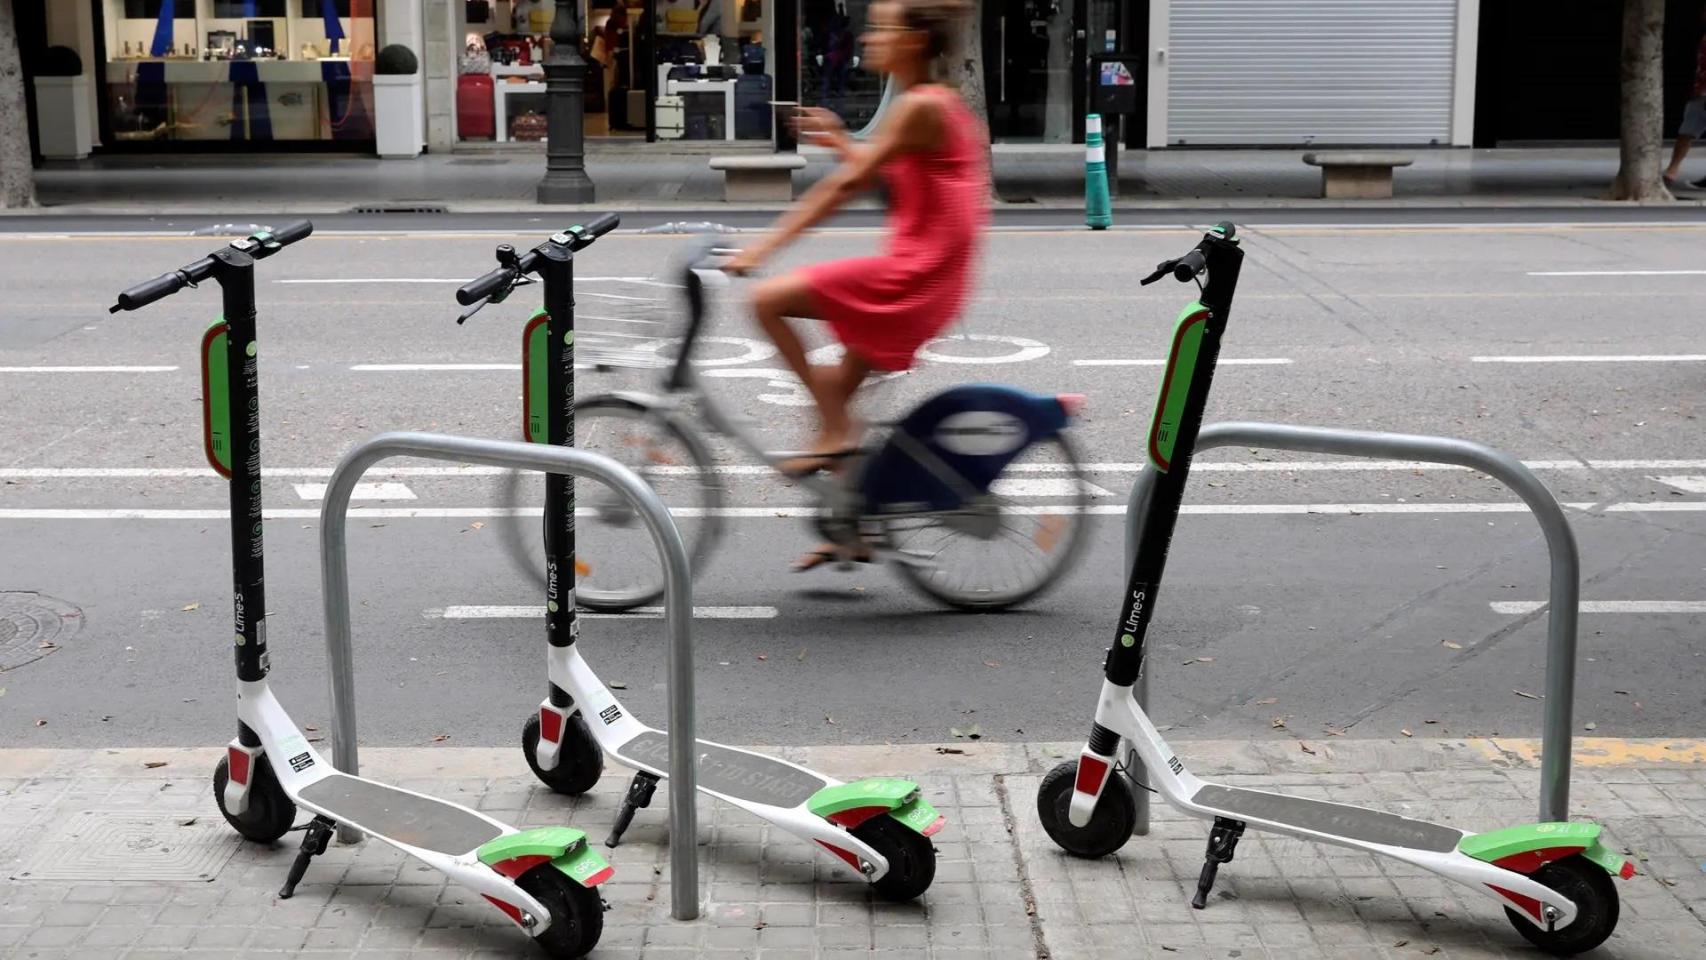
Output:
[[931, 151]]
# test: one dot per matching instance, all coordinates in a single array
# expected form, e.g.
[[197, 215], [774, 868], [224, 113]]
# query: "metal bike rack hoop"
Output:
[[1560, 544], [545, 458]]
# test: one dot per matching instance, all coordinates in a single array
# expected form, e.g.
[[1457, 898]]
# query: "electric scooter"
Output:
[[881, 827], [543, 879], [1553, 879]]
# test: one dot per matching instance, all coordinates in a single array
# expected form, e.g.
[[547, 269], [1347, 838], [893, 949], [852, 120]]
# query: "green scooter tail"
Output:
[[851, 804], [565, 848], [1528, 847]]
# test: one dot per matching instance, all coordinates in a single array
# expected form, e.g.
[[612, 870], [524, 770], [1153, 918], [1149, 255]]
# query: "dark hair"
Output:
[[939, 20]]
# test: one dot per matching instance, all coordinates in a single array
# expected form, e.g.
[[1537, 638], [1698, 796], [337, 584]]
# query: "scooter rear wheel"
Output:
[[1110, 823], [577, 912], [579, 763], [911, 857], [271, 813], [1591, 889]]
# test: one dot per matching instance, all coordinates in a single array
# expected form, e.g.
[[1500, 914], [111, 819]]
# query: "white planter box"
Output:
[[62, 117], [399, 115]]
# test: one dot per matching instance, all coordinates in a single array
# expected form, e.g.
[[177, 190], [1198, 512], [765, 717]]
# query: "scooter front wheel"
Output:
[[1111, 823], [1591, 889], [577, 912], [271, 814], [579, 762]]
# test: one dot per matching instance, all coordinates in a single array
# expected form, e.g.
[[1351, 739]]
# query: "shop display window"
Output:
[[239, 70]]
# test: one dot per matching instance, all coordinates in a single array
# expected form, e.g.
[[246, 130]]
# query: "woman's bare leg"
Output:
[[776, 299]]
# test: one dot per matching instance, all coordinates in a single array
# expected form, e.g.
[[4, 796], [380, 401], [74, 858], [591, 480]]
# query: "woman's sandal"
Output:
[[830, 553], [798, 468]]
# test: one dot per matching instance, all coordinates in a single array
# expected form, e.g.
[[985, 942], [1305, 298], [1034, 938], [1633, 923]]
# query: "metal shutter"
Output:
[[1300, 72]]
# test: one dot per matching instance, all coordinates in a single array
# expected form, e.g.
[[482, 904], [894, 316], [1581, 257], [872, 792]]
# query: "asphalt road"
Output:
[[1301, 601]]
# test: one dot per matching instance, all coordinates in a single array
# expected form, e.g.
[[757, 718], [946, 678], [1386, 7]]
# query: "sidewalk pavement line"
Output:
[[97, 369], [1598, 358]]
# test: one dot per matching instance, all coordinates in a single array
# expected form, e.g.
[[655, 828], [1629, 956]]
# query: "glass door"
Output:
[[1027, 63]]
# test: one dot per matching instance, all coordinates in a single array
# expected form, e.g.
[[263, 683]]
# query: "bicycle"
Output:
[[923, 491]]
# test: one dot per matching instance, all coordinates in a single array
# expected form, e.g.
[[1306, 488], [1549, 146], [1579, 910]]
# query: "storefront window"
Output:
[[239, 70], [711, 80], [830, 74]]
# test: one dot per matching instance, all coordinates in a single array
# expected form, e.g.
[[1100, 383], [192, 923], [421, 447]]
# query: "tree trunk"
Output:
[[17, 178], [965, 72], [1641, 158]]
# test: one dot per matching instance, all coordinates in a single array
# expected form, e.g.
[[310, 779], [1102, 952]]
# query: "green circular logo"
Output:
[[1127, 640], [250, 349], [569, 337], [551, 606], [239, 639]]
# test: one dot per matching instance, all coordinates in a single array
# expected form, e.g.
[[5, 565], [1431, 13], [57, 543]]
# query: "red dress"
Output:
[[884, 308]]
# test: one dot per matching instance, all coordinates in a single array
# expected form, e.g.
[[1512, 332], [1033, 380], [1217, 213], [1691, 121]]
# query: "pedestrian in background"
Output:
[[1693, 116]]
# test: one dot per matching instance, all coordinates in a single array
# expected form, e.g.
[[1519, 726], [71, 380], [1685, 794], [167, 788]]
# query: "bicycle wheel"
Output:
[[1000, 551], [618, 568]]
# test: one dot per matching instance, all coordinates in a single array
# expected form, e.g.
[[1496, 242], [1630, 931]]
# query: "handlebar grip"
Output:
[[483, 287], [149, 291], [1187, 267], [292, 232], [599, 227]]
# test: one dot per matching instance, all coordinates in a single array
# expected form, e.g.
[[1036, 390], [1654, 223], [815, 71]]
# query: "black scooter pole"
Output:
[[557, 270]]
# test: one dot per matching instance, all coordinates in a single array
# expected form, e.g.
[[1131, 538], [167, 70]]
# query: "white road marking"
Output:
[[455, 280], [1027, 349], [1600, 358], [1235, 362], [1606, 606], [114, 369], [1685, 484], [420, 367], [758, 469], [1658, 506], [1616, 273], [361, 491], [1045, 487], [638, 613], [474, 513]]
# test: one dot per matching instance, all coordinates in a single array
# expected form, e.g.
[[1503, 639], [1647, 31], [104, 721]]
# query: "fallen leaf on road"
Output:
[[1451, 645], [764, 656], [618, 685], [1266, 701], [191, 606], [154, 764], [1279, 722], [40, 722], [802, 656], [1306, 748], [1205, 659], [951, 750], [1333, 732], [1524, 693], [1590, 726], [188, 823], [441, 738], [829, 719], [1406, 733], [477, 525], [1430, 721], [1401, 943], [312, 729], [992, 664]]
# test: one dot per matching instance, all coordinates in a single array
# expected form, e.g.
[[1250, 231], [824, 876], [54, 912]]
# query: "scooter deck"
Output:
[[1334, 819], [399, 815], [752, 777]]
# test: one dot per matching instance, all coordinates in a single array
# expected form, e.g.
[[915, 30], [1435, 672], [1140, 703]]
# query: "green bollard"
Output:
[[1098, 209]]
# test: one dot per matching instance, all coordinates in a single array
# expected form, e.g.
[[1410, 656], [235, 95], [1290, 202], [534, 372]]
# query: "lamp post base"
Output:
[[565, 186]]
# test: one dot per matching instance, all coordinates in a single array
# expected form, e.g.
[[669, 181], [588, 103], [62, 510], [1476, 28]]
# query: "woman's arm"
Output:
[[915, 125]]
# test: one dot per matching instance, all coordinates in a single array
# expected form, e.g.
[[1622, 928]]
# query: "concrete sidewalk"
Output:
[[665, 175], [122, 853]]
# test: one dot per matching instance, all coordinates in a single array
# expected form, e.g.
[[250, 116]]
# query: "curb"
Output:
[[1207, 757]]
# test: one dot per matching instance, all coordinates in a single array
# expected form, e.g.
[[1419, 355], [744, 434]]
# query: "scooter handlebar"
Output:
[[480, 288], [149, 291]]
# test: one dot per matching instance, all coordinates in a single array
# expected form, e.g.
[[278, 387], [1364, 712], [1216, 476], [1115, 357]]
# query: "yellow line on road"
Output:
[[1603, 751]]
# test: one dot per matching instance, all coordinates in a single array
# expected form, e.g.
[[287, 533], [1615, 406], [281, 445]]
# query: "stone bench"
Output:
[[1357, 176], [758, 176]]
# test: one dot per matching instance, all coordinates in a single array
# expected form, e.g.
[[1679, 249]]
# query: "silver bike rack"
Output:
[[1560, 545], [678, 610]]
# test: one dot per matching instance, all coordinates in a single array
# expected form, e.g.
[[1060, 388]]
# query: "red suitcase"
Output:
[[474, 119]]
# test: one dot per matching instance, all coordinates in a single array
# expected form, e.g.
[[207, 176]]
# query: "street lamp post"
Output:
[[565, 81]]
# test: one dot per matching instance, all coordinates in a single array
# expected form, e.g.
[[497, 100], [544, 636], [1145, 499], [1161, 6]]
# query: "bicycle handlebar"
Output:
[[258, 246], [497, 282]]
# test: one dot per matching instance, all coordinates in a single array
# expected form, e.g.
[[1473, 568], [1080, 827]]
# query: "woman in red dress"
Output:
[[932, 153]]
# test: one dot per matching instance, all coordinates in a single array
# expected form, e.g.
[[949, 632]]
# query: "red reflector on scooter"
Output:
[[1090, 773]]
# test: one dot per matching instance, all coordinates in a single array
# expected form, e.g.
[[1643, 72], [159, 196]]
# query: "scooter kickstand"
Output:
[[639, 795], [1222, 841], [314, 838]]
